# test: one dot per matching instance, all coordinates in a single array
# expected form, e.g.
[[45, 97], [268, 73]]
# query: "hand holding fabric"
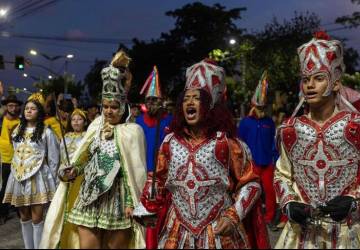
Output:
[[70, 173], [152, 204], [224, 227], [340, 207], [298, 212], [128, 212]]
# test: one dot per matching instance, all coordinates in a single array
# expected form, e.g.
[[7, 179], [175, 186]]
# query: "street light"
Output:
[[53, 58], [35, 78], [232, 41], [3, 12], [33, 52], [50, 58]]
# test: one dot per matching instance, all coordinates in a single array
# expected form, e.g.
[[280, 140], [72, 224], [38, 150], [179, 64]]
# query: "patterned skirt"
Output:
[[107, 212], [38, 189], [175, 235]]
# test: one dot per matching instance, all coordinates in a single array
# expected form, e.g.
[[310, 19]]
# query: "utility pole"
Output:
[[243, 80], [65, 72]]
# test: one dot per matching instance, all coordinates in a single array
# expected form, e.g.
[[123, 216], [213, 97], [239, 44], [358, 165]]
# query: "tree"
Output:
[[145, 55], [275, 49], [352, 80], [198, 30], [351, 21], [202, 28], [57, 86], [351, 58], [93, 79]]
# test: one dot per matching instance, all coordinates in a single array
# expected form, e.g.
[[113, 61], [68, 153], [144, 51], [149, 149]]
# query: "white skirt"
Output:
[[38, 189]]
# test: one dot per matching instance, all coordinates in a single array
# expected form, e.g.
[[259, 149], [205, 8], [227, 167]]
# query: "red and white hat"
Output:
[[322, 55], [208, 76]]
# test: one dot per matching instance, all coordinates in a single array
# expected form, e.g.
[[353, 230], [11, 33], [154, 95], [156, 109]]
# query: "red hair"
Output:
[[217, 119]]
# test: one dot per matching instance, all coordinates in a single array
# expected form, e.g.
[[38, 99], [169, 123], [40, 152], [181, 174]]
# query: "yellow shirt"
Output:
[[55, 126], [6, 148]]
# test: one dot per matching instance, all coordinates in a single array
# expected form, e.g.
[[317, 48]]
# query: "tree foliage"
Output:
[[198, 30], [276, 50], [93, 79], [57, 86], [352, 80], [351, 21], [202, 30]]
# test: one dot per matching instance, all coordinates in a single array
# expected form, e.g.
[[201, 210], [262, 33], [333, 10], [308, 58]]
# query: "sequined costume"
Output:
[[66, 193], [318, 163], [114, 171], [33, 171], [203, 180], [105, 192], [93, 202]]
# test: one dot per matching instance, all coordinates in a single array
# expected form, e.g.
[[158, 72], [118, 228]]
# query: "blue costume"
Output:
[[259, 135], [149, 126], [258, 132]]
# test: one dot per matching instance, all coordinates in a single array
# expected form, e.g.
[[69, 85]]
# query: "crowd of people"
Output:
[[120, 175]]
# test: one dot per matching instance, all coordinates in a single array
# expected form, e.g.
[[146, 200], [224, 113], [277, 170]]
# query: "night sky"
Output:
[[125, 20]]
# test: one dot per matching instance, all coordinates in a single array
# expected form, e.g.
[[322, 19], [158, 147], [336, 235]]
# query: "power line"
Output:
[[93, 49], [37, 8], [68, 39], [329, 24], [28, 8], [340, 28]]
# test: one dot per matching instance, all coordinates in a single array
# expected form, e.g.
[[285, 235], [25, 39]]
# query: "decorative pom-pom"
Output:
[[322, 35], [210, 60]]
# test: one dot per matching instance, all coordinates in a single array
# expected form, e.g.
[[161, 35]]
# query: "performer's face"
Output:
[[31, 112], [191, 107], [314, 87], [111, 111], [64, 115], [78, 123], [92, 112], [152, 104]]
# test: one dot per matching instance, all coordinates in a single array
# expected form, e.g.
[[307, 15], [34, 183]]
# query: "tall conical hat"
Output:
[[152, 85], [260, 96]]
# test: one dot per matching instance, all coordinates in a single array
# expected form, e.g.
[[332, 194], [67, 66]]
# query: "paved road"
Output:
[[10, 234]]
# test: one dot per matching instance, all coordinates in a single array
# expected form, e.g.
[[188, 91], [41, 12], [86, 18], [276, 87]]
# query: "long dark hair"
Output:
[[217, 119], [39, 128]]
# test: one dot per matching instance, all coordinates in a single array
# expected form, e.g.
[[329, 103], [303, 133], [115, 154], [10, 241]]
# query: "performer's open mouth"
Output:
[[311, 95], [191, 113]]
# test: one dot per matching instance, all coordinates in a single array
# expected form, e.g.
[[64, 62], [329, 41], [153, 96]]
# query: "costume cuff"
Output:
[[284, 193], [247, 197]]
